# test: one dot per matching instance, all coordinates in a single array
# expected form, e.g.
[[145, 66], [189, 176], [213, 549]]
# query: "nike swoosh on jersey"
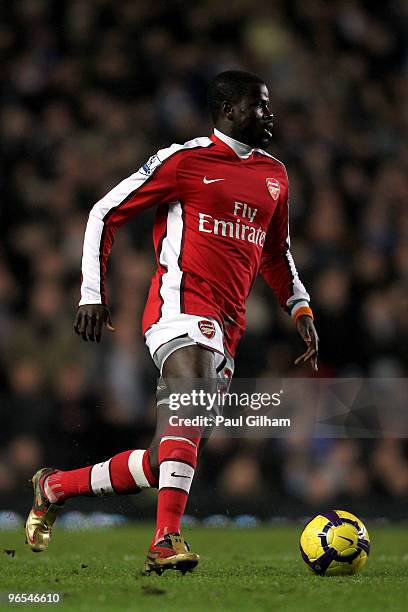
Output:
[[207, 181]]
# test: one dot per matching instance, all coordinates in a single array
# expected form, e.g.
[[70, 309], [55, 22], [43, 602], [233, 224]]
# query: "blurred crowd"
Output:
[[91, 88]]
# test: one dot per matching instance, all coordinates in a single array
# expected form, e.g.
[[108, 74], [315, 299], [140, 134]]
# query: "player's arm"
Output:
[[279, 270], [153, 184]]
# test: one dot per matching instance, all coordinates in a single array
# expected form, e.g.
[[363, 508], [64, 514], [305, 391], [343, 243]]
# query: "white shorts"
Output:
[[202, 330], [165, 337]]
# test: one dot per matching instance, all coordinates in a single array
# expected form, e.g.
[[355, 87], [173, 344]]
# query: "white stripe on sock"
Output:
[[135, 464], [100, 479], [176, 474]]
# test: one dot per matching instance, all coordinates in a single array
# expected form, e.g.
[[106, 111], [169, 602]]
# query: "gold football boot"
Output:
[[42, 515], [170, 553]]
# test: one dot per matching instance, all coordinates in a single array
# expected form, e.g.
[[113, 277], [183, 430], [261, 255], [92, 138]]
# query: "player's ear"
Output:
[[226, 108]]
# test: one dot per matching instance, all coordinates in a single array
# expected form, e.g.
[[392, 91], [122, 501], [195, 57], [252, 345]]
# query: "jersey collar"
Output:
[[242, 150]]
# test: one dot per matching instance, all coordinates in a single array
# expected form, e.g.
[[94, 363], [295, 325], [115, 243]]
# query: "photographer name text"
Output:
[[250, 420]]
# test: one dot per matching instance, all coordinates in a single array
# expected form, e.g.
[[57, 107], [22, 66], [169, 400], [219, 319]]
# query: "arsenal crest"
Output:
[[207, 328], [273, 187]]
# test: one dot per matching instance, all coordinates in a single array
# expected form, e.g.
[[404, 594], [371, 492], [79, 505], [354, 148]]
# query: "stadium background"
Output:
[[90, 90]]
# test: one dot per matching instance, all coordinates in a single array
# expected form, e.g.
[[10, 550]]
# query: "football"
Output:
[[335, 543]]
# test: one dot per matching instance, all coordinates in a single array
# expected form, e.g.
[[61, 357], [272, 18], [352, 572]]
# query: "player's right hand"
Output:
[[90, 320]]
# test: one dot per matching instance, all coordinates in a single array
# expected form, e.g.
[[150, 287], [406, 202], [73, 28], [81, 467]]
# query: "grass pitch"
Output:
[[240, 569]]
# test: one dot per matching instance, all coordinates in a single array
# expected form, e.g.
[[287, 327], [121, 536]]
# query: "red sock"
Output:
[[177, 460], [126, 473]]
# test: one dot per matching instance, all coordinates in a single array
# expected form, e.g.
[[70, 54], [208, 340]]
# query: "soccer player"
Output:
[[221, 217]]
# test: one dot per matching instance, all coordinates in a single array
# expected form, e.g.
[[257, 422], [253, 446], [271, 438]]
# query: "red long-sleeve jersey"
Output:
[[222, 217]]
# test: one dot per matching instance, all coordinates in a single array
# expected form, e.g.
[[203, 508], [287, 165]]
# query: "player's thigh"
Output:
[[188, 369], [190, 362], [190, 373]]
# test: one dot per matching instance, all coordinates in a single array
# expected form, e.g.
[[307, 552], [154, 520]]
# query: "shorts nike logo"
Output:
[[179, 475], [348, 540], [207, 181]]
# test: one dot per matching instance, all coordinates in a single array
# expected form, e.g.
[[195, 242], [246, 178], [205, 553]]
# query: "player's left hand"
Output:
[[307, 331]]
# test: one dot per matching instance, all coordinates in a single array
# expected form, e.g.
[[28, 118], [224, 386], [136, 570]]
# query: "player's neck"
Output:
[[240, 148]]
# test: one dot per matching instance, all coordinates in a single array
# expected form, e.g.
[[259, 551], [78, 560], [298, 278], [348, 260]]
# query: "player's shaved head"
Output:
[[229, 86], [239, 105]]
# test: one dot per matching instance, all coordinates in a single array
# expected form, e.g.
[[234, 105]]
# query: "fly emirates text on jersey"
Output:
[[234, 229]]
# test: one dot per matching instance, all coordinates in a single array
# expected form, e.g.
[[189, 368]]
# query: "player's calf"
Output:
[[125, 473], [178, 459]]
